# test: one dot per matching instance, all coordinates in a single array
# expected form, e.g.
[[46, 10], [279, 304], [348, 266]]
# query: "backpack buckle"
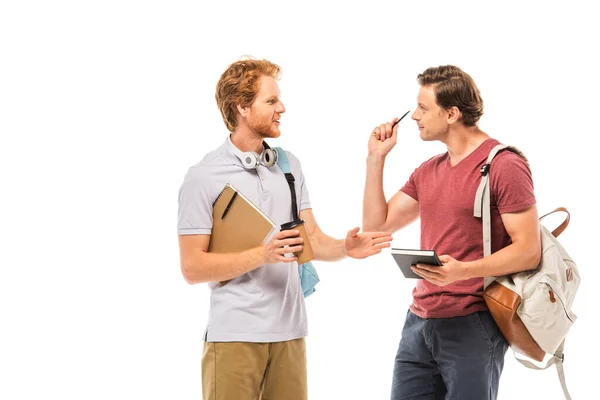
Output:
[[485, 169]]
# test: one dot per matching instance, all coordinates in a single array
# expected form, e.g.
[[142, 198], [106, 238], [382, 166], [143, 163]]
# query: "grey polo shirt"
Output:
[[266, 304]]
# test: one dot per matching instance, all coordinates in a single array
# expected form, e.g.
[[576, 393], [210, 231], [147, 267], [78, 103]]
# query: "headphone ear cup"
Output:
[[269, 157], [249, 160]]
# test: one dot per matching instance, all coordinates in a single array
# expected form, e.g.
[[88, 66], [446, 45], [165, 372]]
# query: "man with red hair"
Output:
[[254, 342]]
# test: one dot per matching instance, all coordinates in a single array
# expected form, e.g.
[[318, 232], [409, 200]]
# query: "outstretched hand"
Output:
[[366, 244]]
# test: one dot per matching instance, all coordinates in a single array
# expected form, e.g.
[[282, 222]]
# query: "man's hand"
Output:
[[274, 251], [366, 244], [383, 139], [450, 272]]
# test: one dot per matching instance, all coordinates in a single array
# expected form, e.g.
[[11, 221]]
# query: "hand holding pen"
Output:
[[385, 131], [383, 138]]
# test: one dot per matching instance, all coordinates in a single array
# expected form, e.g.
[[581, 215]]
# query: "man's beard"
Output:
[[265, 129]]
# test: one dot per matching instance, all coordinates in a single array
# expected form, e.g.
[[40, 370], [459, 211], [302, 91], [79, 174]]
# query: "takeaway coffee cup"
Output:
[[307, 253]]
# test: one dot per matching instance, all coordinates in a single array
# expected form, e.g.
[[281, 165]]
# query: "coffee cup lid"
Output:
[[292, 224]]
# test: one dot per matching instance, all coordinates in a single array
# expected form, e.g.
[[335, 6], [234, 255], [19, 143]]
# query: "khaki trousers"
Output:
[[254, 371]]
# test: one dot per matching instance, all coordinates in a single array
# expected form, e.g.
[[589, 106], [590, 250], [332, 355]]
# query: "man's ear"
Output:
[[454, 115], [242, 110]]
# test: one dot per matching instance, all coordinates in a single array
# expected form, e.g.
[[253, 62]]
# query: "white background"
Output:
[[104, 105]]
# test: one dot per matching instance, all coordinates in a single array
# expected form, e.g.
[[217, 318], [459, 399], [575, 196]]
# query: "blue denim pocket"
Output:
[[487, 327]]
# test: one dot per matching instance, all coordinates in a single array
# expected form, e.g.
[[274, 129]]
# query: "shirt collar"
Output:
[[232, 153]]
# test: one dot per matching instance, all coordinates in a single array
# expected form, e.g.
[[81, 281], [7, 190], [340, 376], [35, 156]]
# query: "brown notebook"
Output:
[[243, 226]]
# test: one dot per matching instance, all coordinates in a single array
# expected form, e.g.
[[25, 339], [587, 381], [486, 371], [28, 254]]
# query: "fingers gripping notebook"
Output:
[[407, 257]]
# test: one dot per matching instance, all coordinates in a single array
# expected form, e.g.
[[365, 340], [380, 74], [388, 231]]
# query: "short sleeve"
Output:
[[511, 183], [194, 216], [410, 187]]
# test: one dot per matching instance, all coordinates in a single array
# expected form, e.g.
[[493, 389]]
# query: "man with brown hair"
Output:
[[254, 341], [451, 347]]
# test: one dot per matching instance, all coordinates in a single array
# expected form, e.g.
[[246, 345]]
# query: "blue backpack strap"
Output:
[[307, 272], [283, 161]]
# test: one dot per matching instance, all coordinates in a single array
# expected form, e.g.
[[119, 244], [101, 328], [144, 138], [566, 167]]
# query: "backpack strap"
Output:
[[564, 224], [284, 164], [307, 272], [557, 359], [481, 207]]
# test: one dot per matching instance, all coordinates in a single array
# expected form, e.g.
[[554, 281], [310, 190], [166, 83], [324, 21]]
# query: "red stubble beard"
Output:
[[265, 127]]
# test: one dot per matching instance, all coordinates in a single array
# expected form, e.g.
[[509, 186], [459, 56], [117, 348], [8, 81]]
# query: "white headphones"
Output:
[[251, 160]]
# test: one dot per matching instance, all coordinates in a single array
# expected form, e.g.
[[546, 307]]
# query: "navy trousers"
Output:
[[449, 358]]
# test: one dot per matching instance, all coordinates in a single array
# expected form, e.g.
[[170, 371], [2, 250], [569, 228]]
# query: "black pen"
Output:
[[396, 123], [229, 205]]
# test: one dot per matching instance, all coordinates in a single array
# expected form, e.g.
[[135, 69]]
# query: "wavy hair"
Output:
[[454, 88], [239, 85]]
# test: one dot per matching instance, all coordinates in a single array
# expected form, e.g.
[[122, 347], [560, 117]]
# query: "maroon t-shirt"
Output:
[[446, 196]]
